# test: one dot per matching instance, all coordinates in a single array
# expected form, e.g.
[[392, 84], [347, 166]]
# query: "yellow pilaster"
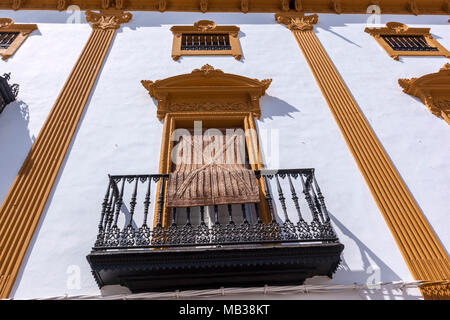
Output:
[[25, 201], [421, 250]]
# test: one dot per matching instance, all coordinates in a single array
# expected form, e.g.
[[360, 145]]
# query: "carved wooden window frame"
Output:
[[433, 90], [24, 30], [400, 29], [215, 98], [205, 27]]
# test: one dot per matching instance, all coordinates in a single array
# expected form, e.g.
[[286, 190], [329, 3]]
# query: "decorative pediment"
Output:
[[207, 90], [434, 91]]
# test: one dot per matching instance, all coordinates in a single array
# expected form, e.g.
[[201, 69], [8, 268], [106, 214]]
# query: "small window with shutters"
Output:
[[205, 38], [397, 39]]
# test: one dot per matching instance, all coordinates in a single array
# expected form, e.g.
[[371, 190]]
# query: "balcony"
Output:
[[8, 93], [282, 240]]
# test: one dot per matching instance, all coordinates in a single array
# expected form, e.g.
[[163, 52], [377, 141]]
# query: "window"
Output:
[[397, 39], [205, 38], [218, 100], [12, 36], [210, 167], [434, 91], [205, 42], [408, 43], [7, 38]]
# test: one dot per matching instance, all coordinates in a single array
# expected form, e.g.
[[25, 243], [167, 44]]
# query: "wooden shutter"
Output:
[[210, 170]]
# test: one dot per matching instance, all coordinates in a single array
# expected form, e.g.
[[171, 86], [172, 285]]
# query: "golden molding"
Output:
[[421, 250], [415, 7], [297, 21], [8, 25], [107, 19], [205, 27], [25, 201], [400, 29], [434, 91], [207, 90]]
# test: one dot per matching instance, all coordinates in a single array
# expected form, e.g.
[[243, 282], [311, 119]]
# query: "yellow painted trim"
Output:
[[414, 7], [421, 250], [25, 201]]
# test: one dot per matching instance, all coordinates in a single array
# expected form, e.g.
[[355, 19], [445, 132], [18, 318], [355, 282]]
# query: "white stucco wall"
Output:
[[120, 134], [40, 66]]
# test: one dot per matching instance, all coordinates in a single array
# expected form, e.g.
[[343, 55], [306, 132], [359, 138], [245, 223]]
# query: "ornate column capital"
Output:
[[297, 21], [107, 19]]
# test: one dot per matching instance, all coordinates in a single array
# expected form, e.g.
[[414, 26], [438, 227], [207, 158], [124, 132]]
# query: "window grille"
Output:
[[408, 43], [205, 42], [7, 38]]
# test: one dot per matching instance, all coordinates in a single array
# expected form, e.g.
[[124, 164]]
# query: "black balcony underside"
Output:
[[198, 268]]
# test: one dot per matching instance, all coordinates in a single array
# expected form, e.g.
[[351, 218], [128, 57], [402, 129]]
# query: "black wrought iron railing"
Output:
[[8, 93], [297, 214]]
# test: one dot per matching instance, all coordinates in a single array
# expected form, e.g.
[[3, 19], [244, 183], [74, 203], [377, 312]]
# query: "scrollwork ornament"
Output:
[[202, 233], [105, 21], [6, 22], [158, 235], [297, 22], [128, 236], [143, 236]]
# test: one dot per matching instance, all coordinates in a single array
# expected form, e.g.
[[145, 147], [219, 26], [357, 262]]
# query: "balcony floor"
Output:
[[201, 267]]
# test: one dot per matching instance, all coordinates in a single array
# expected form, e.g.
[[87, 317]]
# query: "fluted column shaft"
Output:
[[421, 250], [25, 201]]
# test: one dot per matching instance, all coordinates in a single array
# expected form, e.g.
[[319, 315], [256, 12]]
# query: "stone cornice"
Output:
[[306, 6], [297, 21], [107, 19]]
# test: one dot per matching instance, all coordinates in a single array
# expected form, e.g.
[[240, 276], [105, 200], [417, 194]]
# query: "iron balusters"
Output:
[[215, 225]]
